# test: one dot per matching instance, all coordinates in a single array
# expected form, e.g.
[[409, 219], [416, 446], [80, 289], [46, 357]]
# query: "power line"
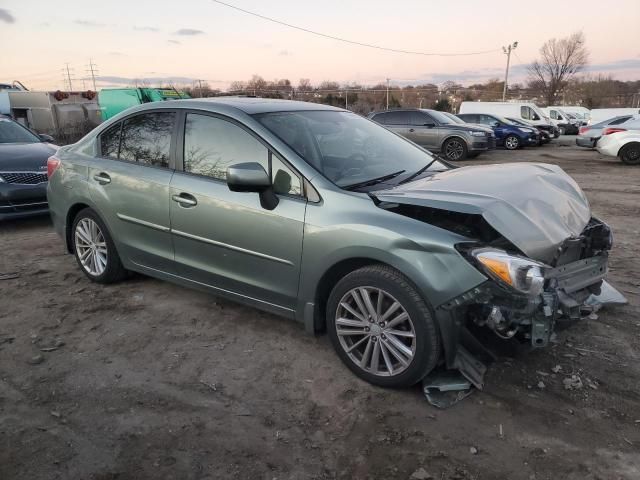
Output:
[[353, 42]]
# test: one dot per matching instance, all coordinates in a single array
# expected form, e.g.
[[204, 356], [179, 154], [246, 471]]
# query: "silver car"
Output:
[[588, 136], [438, 132]]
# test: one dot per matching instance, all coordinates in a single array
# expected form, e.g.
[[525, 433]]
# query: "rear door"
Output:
[[129, 186], [226, 240]]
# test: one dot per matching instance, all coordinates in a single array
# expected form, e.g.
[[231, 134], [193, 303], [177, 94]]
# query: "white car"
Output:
[[624, 144]]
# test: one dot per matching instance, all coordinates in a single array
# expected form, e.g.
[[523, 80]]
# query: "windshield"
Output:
[[346, 148], [441, 117], [453, 118], [12, 132], [504, 120]]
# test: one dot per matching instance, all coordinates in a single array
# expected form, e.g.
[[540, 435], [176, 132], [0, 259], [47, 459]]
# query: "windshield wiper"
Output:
[[419, 172], [373, 181]]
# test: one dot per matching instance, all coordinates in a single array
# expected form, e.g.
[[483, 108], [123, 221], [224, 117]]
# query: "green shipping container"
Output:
[[114, 100]]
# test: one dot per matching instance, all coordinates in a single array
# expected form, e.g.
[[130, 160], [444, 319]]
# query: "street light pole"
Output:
[[387, 94], [507, 52]]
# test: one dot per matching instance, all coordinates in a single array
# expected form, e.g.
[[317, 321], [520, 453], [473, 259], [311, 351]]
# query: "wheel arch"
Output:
[[70, 217]]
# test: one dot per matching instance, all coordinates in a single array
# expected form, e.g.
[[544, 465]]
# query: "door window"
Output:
[[419, 119], [397, 118], [380, 118], [212, 144], [285, 182], [487, 120], [110, 141], [146, 138]]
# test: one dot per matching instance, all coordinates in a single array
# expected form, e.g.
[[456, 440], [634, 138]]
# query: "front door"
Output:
[[129, 185], [423, 130], [224, 239]]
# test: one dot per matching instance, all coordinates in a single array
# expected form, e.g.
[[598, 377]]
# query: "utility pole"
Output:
[[200, 86], [346, 99], [507, 52], [92, 71], [69, 78], [387, 94]]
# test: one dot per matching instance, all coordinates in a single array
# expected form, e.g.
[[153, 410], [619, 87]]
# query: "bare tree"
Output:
[[560, 60]]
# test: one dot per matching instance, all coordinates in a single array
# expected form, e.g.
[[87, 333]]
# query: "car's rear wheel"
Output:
[[381, 327], [455, 149], [561, 130], [511, 142], [630, 154], [94, 249]]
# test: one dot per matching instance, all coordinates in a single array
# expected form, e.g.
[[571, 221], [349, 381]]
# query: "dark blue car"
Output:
[[23, 170], [508, 134]]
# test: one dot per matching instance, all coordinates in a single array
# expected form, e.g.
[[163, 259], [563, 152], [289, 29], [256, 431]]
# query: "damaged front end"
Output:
[[523, 298]]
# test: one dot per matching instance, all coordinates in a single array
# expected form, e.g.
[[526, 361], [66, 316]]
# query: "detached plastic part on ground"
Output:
[[608, 296], [445, 388]]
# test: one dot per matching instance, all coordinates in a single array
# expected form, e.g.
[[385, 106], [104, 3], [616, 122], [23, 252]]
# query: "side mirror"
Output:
[[495, 124], [46, 138], [252, 177]]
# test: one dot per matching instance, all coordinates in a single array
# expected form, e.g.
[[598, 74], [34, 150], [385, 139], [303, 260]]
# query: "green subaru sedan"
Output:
[[317, 214]]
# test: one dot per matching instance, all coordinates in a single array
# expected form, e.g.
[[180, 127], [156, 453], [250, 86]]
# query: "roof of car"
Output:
[[251, 105]]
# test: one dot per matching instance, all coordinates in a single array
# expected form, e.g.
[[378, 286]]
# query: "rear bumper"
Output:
[[586, 142], [18, 201]]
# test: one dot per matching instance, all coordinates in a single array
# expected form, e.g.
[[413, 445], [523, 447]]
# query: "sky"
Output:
[[178, 42]]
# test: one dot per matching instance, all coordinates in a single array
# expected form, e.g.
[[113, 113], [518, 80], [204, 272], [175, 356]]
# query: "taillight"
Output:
[[609, 131], [581, 130], [52, 164]]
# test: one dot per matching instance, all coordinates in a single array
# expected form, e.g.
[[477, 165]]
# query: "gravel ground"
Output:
[[146, 379]]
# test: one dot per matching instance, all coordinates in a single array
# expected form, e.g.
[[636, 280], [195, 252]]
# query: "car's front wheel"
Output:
[[455, 149], [381, 327], [511, 142], [630, 154], [94, 249]]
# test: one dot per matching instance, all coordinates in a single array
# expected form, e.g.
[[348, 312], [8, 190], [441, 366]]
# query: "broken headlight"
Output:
[[523, 274]]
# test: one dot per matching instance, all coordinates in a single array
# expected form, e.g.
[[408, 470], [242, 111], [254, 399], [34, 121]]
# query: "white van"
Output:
[[601, 114], [581, 113], [566, 124], [527, 111]]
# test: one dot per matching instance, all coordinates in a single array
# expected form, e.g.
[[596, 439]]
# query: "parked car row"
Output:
[[467, 135]]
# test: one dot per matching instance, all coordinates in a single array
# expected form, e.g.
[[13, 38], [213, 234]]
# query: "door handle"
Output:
[[185, 200], [411, 130], [102, 178]]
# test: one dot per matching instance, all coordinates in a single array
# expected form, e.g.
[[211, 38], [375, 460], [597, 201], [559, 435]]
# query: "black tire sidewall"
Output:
[[625, 151], [114, 270], [427, 335]]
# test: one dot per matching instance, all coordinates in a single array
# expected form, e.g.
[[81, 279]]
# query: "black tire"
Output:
[[630, 154], [427, 338], [114, 271], [562, 130], [455, 149], [512, 142]]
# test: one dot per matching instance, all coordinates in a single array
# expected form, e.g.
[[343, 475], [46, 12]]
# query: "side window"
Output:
[[146, 138], [554, 115], [524, 113], [212, 144], [110, 141], [620, 120], [469, 118], [397, 118], [419, 119], [284, 180]]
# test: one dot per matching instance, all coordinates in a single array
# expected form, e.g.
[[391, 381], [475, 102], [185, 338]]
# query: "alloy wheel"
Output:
[[375, 331], [91, 247], [511, 143], [454, 150]]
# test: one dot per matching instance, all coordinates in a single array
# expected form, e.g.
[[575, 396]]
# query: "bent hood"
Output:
[[535, 206]]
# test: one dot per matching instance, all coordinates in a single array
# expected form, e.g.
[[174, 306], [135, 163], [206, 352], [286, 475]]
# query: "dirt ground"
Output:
[[145, 379]]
